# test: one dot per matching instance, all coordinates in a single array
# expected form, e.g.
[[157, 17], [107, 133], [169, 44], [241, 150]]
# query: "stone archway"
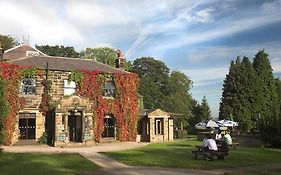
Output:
[[74, 118]]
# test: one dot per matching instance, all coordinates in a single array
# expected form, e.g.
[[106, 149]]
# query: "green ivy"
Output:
[[75, 76], [3, 110], [28, 73]]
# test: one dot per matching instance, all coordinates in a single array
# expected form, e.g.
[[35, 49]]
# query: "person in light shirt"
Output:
[[218, 135], [209, 144], [228, 138]]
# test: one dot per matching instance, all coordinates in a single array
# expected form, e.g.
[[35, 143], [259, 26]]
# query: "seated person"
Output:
[[209, 144], [228, 138], [218, 135], [205, 142], [224, 147]]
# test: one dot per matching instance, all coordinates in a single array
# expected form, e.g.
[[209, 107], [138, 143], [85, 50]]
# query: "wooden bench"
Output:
[[234, 144]]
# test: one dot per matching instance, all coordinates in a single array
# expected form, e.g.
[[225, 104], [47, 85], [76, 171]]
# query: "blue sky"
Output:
[[199, 38]]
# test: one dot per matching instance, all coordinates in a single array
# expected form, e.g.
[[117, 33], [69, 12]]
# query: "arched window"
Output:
[[109, 89]]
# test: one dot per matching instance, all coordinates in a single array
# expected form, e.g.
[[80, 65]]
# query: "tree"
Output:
[[3, 109], [57, 50], [278, 92], [8, 42], [155, 69], [154, 79], [229, 99], [152, 95], [248, 95], [178, 99], [267, 98], [104, 55], [205, 109], [238, 94]]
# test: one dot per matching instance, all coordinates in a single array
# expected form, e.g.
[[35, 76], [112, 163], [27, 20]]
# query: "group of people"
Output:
[[210, 144]]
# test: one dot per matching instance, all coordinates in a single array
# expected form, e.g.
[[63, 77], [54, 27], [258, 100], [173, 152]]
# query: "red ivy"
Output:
[[124, 106], [11, 75]]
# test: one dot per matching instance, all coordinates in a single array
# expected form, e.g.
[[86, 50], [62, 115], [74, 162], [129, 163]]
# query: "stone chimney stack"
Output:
[[119, 60]]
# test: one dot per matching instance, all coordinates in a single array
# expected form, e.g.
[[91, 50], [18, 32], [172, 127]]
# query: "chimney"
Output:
[[119, 60]]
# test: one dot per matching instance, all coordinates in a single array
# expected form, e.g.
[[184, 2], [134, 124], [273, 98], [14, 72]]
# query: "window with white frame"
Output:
[[69, 87], [31, 53], [28, 86], [109, 89]]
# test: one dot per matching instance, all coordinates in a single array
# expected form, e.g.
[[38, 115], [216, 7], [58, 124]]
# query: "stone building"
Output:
[[156, 125], [71, 122], [73, 116]]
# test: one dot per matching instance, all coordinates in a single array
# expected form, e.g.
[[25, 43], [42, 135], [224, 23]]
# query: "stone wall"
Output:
[[33, 102]]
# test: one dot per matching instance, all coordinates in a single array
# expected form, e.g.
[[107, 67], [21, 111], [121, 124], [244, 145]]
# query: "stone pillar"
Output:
[[40, 125], [171, 129], [152, 129], [166, 129]]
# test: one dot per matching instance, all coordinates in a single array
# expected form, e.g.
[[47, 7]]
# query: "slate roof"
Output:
[[65, 64], [20, 52]]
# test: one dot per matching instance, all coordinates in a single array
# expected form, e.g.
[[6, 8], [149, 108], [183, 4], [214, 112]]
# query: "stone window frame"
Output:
[[28, 86]]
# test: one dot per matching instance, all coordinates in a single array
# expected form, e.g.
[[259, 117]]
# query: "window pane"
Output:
[[69, 87], [28, 87], [108, 89]]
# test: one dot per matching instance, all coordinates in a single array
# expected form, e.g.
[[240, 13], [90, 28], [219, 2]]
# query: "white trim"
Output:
[[6, 51]]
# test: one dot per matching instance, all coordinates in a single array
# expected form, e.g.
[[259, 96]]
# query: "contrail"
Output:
[[144, 34]]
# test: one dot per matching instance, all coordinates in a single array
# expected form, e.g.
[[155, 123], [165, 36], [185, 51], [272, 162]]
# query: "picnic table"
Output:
[[208, 155], [234, 143]]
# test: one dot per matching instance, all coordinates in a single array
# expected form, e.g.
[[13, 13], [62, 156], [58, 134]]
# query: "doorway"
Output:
[[75, 126], [109, 127], [27, 125]]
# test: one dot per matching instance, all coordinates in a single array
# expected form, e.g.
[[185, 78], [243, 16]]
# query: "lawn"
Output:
[[264, 172], [178, 154], [43, 164]]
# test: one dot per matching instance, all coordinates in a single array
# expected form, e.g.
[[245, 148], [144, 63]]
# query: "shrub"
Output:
[[43, 139], [182, 134], [270, 130]]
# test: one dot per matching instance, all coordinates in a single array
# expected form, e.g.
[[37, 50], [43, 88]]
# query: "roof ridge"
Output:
[[80, 59], [41, 57]]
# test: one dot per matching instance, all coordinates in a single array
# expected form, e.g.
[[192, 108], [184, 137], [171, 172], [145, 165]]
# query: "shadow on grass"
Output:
[[180, 145], [43, 164]]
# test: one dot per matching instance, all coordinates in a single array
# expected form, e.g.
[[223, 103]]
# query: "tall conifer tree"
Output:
[[205, 111], [266, 90], [230, 92]]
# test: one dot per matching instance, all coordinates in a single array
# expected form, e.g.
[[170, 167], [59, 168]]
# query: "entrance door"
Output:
[[75, 127], [109, 127], [27, 125]]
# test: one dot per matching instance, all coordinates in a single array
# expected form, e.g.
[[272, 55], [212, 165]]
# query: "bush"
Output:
[[270, 131], [182, 134], [43, 139]]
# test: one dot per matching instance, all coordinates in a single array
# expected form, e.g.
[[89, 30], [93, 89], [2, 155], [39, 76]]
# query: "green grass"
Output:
[[43, 164], [178, 154], [264, 172]]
